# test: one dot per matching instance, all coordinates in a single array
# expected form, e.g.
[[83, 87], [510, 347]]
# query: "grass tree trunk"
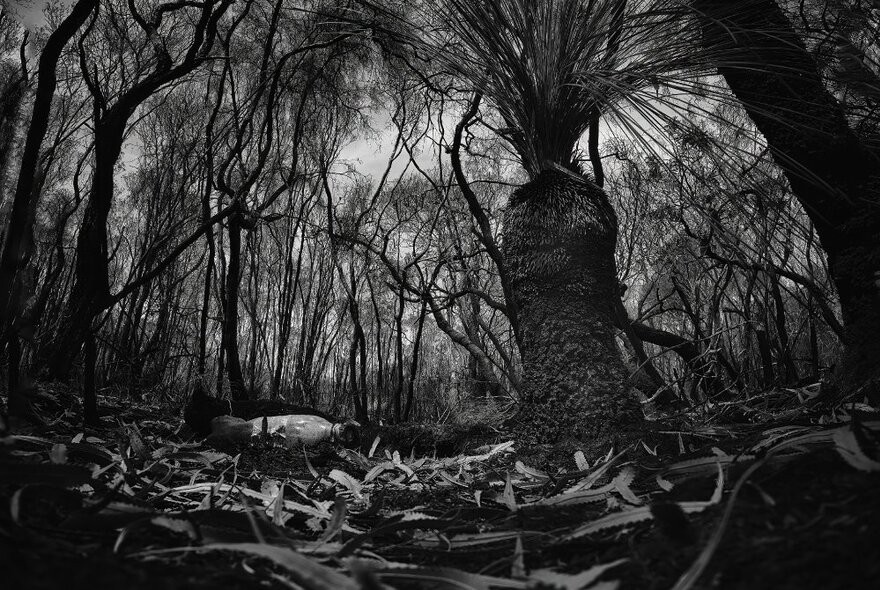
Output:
[[560, 234], [834, 175]]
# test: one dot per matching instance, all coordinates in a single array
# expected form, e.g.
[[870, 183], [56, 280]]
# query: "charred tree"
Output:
[[560, 235], [18, 241], [832, 172], [91, 290], [230, 310]]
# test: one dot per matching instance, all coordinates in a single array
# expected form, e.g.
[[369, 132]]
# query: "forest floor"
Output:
[[787, 498]]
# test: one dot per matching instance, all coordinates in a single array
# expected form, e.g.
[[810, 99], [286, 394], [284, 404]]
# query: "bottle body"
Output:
[[297, 429]]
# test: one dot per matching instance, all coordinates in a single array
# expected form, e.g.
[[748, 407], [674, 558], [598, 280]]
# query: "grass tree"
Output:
[[551, 69], [554, 69]]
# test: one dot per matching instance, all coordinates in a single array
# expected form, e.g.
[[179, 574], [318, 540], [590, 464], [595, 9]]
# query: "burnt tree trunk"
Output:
[[768, 375], [560, 234], [786, 361], [91, 288], [204, 312], [13, 90], [646, 376], [89, 390], [398, 342], [414, 366], [831, 171], [357, 352], [288, 298], [380, 359], [18, 242], [230, 319]]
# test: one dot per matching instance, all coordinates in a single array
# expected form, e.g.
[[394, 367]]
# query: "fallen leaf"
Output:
[[848, 447], [58, 454], [577, 581]]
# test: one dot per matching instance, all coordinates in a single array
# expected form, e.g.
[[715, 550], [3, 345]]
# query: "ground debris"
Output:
[[769, 505]]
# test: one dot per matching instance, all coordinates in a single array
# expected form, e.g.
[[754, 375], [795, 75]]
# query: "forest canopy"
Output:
[[408, 211]]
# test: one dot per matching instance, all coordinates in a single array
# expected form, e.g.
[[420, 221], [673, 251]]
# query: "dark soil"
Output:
[[805, 518]]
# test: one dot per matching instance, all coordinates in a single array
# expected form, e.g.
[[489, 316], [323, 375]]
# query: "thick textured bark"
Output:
[[560, 233], [832, 173]]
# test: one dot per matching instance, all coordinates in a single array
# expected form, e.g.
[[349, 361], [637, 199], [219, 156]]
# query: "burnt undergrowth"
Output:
[[784, 497]]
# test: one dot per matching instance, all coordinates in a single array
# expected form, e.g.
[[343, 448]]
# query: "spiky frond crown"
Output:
[[645, 65], [549, 66]]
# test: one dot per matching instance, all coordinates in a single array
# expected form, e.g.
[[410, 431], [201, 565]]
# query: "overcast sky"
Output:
[[30, 11], [369, 156]]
